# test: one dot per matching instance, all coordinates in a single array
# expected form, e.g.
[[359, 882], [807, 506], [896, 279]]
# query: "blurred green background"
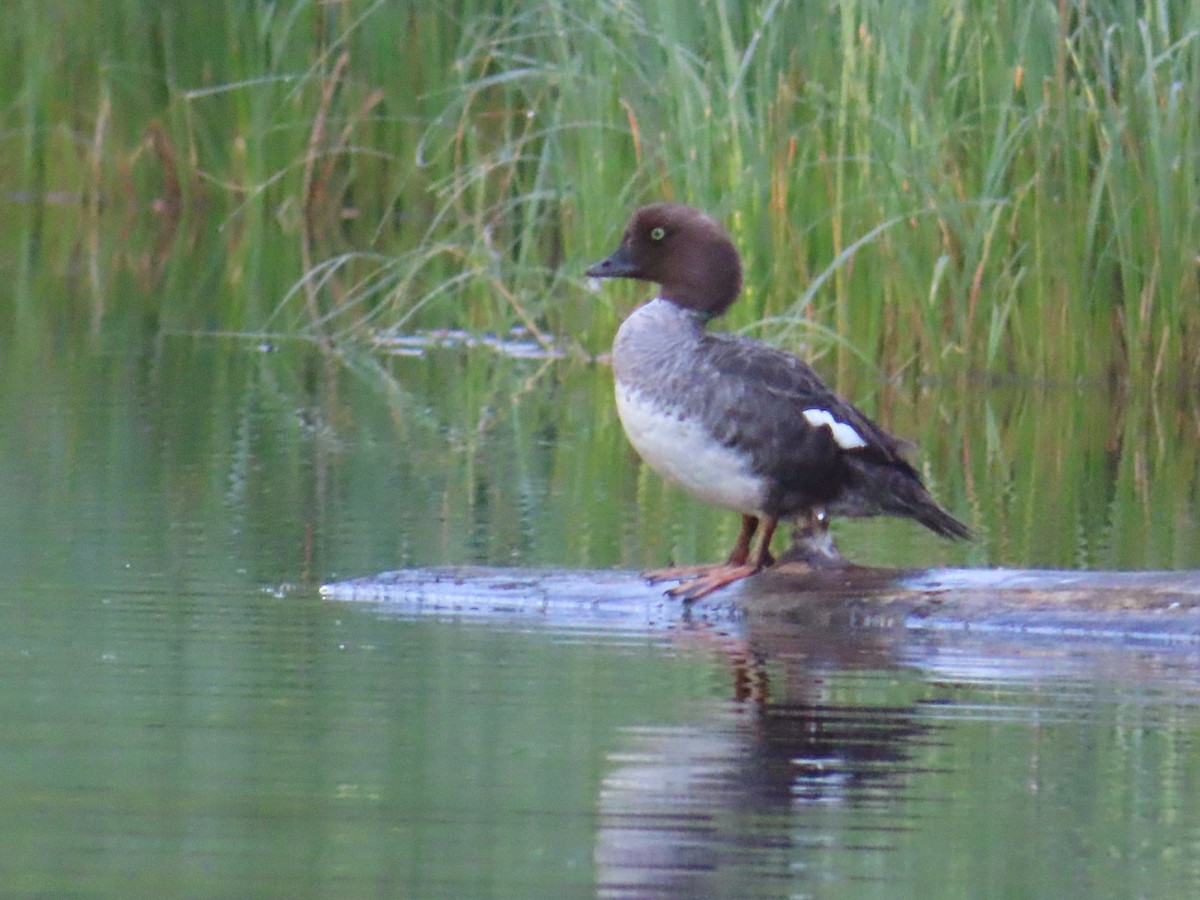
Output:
[[980, 221]]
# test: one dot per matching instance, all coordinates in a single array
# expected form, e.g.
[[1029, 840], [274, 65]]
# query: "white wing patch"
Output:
[[843, 435]]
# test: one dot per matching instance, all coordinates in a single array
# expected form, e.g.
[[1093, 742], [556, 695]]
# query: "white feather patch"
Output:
[[843, 435]]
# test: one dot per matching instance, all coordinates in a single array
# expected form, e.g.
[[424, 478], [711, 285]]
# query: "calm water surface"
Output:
[[185, 716]]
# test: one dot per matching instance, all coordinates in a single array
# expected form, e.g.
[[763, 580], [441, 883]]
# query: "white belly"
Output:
[[682, 451]]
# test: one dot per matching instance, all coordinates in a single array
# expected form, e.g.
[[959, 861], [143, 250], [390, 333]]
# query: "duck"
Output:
[[735, 422]]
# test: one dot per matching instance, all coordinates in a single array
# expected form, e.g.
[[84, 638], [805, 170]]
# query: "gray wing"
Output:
[[780, 387]]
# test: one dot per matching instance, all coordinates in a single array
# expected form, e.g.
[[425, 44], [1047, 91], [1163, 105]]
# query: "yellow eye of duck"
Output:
[[657, 233]]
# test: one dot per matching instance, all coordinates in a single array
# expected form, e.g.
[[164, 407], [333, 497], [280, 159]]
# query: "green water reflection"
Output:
[[211, 745], [184, 716], [230, 462]]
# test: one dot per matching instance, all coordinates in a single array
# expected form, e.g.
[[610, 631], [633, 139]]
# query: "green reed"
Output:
[[958, 187]]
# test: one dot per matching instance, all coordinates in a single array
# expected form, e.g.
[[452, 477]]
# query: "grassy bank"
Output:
[[1009, 187]]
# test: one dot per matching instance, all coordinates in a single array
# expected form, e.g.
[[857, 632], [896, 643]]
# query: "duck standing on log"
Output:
[[733, 421]]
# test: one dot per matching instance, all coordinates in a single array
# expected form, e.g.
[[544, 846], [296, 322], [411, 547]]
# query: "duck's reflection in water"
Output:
[[819, 732]]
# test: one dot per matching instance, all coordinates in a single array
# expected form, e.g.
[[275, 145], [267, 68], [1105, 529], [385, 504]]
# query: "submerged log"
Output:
[[1147, 604], [1156, 606]]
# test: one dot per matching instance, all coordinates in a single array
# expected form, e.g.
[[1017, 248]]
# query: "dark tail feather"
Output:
[[896, 490], [909, 498], [940, 522]]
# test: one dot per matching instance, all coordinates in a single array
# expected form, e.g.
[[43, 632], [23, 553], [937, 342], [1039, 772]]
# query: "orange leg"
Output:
[[737, 557], [700, 581]]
